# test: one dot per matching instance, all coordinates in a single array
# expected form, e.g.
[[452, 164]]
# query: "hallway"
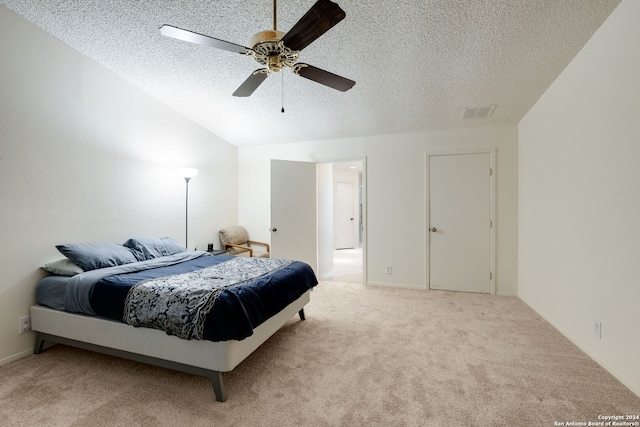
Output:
[[347, 266]]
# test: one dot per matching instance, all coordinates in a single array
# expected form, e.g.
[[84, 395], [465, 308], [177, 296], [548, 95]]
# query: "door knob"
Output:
[[433, 229], [274, 229]]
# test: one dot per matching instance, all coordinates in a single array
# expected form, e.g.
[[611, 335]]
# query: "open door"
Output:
[[294, 211]]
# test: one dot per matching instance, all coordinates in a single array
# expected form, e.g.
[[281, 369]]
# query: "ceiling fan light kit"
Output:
[[275, 50]]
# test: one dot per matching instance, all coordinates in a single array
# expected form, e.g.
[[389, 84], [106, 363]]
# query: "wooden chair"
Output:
[[236, 241]]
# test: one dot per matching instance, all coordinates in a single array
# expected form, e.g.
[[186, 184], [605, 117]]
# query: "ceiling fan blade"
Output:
[[252, 83], [190, 36], [325, 77], [318, 20]]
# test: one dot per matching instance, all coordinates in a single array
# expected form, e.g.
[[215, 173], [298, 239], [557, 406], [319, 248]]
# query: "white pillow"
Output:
[[62, 267]]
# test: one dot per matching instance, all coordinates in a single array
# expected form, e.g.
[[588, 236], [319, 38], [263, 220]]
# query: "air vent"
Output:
[[478, 112]]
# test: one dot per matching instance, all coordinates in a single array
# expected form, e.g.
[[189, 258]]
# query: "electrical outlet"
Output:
[[597, 329], [25, 324], [389, 269]]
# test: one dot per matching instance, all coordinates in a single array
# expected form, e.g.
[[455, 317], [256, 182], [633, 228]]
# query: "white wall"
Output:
[[396, 213], [85, 156], [579, 227]]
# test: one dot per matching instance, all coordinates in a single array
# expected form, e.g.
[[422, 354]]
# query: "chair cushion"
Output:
[[237, 235], [256, 254], [261, 254]]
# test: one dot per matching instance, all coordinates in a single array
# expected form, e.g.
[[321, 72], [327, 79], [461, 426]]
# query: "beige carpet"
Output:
[[347, 266], [364, 357]]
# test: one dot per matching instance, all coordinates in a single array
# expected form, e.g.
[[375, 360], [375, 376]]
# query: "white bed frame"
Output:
[[205, 358]]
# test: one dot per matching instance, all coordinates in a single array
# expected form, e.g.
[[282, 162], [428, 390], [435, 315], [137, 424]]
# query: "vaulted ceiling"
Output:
[[417, 63]]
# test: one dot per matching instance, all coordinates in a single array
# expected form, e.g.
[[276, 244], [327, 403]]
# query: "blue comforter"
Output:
[[237, 310]]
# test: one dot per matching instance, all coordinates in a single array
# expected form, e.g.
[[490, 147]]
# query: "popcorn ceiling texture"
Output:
[[417, 64]]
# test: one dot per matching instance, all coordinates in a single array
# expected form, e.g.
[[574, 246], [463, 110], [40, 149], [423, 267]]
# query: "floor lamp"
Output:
[[187, 174]]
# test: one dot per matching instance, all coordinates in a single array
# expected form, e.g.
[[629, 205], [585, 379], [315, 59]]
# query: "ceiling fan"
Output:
[[275, 50]]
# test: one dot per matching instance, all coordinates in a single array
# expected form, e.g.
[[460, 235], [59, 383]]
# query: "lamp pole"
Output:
[[187, 174], [186, 213]]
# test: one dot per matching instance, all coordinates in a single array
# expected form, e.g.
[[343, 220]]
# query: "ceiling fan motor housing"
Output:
[[268, 50]]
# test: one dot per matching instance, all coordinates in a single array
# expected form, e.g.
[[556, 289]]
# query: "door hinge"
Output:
[[490, 276], [490, 171]]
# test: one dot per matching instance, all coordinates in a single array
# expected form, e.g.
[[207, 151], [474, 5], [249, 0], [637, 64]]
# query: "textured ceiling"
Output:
[[417, 63]]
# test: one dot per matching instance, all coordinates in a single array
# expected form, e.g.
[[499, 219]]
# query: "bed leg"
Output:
[[39, 345], [218, 386], [301, 314]]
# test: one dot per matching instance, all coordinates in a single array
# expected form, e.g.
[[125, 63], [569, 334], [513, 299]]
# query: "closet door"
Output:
[[345, 219], [460, 222]]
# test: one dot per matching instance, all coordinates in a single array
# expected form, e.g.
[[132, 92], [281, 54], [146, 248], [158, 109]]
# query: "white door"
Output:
[[293, 211], [344, 216], [460, 229]]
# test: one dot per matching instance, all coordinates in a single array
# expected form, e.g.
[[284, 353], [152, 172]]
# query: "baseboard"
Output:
[[395, 285], [16, 356], [321, 274], [405, 286], [635, 388], [507, 294]]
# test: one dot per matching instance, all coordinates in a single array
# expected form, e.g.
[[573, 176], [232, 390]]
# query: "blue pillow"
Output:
[[145, 248], [91, 256]]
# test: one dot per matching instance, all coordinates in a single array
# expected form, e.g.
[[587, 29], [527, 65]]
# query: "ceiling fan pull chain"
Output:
[[282, 110]]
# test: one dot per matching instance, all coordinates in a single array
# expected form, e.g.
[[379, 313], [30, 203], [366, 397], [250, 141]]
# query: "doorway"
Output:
[[345, 225]]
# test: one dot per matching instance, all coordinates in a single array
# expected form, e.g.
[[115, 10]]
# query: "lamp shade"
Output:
[[187, 172]]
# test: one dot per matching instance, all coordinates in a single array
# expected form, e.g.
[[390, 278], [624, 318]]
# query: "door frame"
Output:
[[492, 203]]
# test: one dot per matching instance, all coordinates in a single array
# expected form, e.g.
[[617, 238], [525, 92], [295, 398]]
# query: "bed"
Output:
[[152, 301]]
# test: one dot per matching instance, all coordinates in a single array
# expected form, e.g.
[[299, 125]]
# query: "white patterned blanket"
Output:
[[179, 304]]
